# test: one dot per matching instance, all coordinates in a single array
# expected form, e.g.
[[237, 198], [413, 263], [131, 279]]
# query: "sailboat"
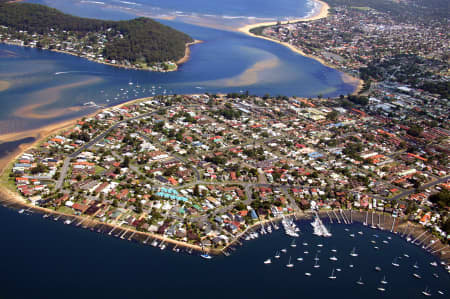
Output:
[[277, 255], [426, 292], [394, 263], [353, 253], [416, 266], [316, 258], [300, 259], [332, 275], [289, 264], [333, 258], [360, 282], [316, 265], [268, 261], [384, 281], [293, 245], [307, 274], [284, 250], [381, 289], [417, 276]]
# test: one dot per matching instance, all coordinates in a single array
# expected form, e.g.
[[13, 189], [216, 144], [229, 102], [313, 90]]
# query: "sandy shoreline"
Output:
[[321, 13], [187, 53], [4, 85]]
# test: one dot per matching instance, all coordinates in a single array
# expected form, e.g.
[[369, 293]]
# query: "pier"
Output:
[[337, 217]]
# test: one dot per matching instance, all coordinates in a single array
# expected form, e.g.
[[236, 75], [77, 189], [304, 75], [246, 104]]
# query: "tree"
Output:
[[415, 130], [333, 115]]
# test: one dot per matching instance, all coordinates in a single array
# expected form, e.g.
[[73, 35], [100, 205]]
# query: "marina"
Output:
[[353, 268]]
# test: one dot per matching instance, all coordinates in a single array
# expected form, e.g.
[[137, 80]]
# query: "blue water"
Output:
[[216, 66], [47, 259]]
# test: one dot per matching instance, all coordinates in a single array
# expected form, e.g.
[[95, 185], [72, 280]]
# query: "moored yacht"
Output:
[[417, 275], [289, 264], [384, 281], [332, 276], [395, 263], [353, 253], [293, 244], [426, 292], [360, 282], [268, 261]]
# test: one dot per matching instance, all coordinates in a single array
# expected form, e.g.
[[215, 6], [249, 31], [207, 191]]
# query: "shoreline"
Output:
[[319, 14], [182, 60], [187, 52], [41, 134]]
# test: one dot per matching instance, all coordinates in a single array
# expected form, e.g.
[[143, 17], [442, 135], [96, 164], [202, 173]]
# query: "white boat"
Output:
[[277, 255], [205, 256], [284, 250], [352, 235], [440, 292], [360, 232], [351, 265], [293, 245], [395, 263], [353, 253], [316, 265], [426, 292], [385, 242], [154, 243], [300, 259], [333, 258], [416, 266], [332, 276], [417, 275], [305, 244], [338, 269], [319, 245], [268, 261], [405, 255], [21, 211], [377, 268], [384, 281], [289, 264], [333, 250], [316, 258], [306, 252], [307, 274], [290, 227], [434, 264], [435, 275], [67, 221], [381, 289], [319, 228], [360, 282]]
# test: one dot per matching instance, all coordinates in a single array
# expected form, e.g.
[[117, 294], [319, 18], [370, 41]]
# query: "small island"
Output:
[[140, 43]]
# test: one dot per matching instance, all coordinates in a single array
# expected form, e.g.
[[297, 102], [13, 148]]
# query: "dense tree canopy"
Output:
[[143, 38]]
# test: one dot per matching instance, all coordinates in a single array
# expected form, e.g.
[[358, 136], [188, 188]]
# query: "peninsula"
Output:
[[139, 43], [202, 170]]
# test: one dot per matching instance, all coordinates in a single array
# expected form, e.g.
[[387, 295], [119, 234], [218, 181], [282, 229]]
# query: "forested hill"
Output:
[[140, 39]]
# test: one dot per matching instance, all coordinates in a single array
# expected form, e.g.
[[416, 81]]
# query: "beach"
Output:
[[187, 53], [320, 13]]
